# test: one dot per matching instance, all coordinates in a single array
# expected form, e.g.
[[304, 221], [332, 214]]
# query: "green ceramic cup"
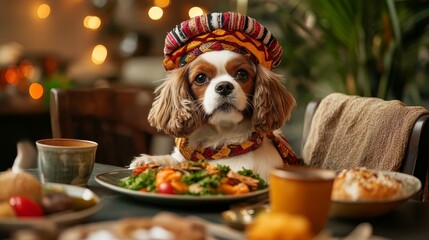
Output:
[[63, 160]]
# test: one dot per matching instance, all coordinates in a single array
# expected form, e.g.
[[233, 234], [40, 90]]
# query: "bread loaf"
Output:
[[19, 183], [364, 184]]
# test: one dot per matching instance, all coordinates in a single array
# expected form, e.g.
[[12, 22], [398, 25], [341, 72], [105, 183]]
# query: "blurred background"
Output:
[[364, 47]]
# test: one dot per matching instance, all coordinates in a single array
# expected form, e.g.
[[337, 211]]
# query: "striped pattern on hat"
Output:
[[191, 34]]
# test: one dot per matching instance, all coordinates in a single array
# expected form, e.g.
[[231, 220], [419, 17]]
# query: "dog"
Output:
[[221, 99]]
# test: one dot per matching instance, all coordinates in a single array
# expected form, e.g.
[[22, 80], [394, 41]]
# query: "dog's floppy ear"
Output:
[[173, 110], [272, 102]]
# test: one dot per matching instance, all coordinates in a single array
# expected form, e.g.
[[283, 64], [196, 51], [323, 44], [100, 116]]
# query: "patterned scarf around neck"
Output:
[[252, 143]]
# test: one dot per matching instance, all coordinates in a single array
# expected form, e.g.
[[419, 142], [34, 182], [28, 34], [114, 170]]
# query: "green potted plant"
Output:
[[361, 47], [365, 47]]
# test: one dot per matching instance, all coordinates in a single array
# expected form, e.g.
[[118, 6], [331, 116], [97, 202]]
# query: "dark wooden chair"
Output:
[[416, 158], [115, 118]]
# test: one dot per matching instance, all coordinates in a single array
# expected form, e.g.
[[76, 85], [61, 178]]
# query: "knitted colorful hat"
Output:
[[221, 31]]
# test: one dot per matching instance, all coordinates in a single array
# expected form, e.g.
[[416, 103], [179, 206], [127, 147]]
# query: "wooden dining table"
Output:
[[409, 221]]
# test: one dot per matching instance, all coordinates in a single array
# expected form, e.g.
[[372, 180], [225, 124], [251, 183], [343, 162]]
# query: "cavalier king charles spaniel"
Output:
[[222, 98]]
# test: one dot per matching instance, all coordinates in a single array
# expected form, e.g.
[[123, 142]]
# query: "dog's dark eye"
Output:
[[242, 75], [201, 78]]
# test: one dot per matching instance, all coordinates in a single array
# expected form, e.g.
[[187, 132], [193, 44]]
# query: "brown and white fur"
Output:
[[220, 98]]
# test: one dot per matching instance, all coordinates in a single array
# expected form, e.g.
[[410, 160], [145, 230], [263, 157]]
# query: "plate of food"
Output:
[[366, 193], [25, 202], [185, 184]]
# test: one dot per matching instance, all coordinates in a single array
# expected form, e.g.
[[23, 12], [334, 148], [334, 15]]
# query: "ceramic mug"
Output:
[[302, 191], [63, 160]]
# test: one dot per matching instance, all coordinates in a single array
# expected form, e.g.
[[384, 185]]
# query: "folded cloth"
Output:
[[349, 131]]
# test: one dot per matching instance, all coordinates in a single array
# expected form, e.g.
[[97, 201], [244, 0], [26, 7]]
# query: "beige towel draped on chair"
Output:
[[344, 131], [348, 131]]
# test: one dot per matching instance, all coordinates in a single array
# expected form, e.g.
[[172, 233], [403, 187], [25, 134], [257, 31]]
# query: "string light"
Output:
[[43, 11], [27, 70], [155, 13], [99, 54], [92, 22], [195, 11], [11, 76], [35, 90], [161, 3]]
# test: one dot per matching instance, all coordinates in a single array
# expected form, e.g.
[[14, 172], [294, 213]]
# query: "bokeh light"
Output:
[[155, 13], [92, 22], [100, 3], [129, 44], [43, 11], [161, 3], [11, 76], [27, 70], [195, 11], [99, 54], [36, 90]]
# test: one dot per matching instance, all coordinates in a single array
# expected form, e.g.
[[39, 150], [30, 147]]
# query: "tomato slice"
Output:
[[25, 207], [139, 170], [166, 188]]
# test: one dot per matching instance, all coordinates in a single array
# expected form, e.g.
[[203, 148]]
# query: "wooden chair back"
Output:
[[416, 158], [115, 118]]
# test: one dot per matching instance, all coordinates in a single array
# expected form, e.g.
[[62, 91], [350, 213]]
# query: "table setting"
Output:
[[297, 201]]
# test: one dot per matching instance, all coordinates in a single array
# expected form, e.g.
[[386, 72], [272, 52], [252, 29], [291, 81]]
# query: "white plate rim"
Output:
[[168, 197], [411, 183], [367, 209]]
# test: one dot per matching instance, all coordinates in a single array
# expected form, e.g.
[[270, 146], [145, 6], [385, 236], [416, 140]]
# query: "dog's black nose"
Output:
[[224, 88]]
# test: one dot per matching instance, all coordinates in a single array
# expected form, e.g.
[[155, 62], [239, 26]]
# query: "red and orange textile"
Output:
[[254, 142], [221, 31]]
